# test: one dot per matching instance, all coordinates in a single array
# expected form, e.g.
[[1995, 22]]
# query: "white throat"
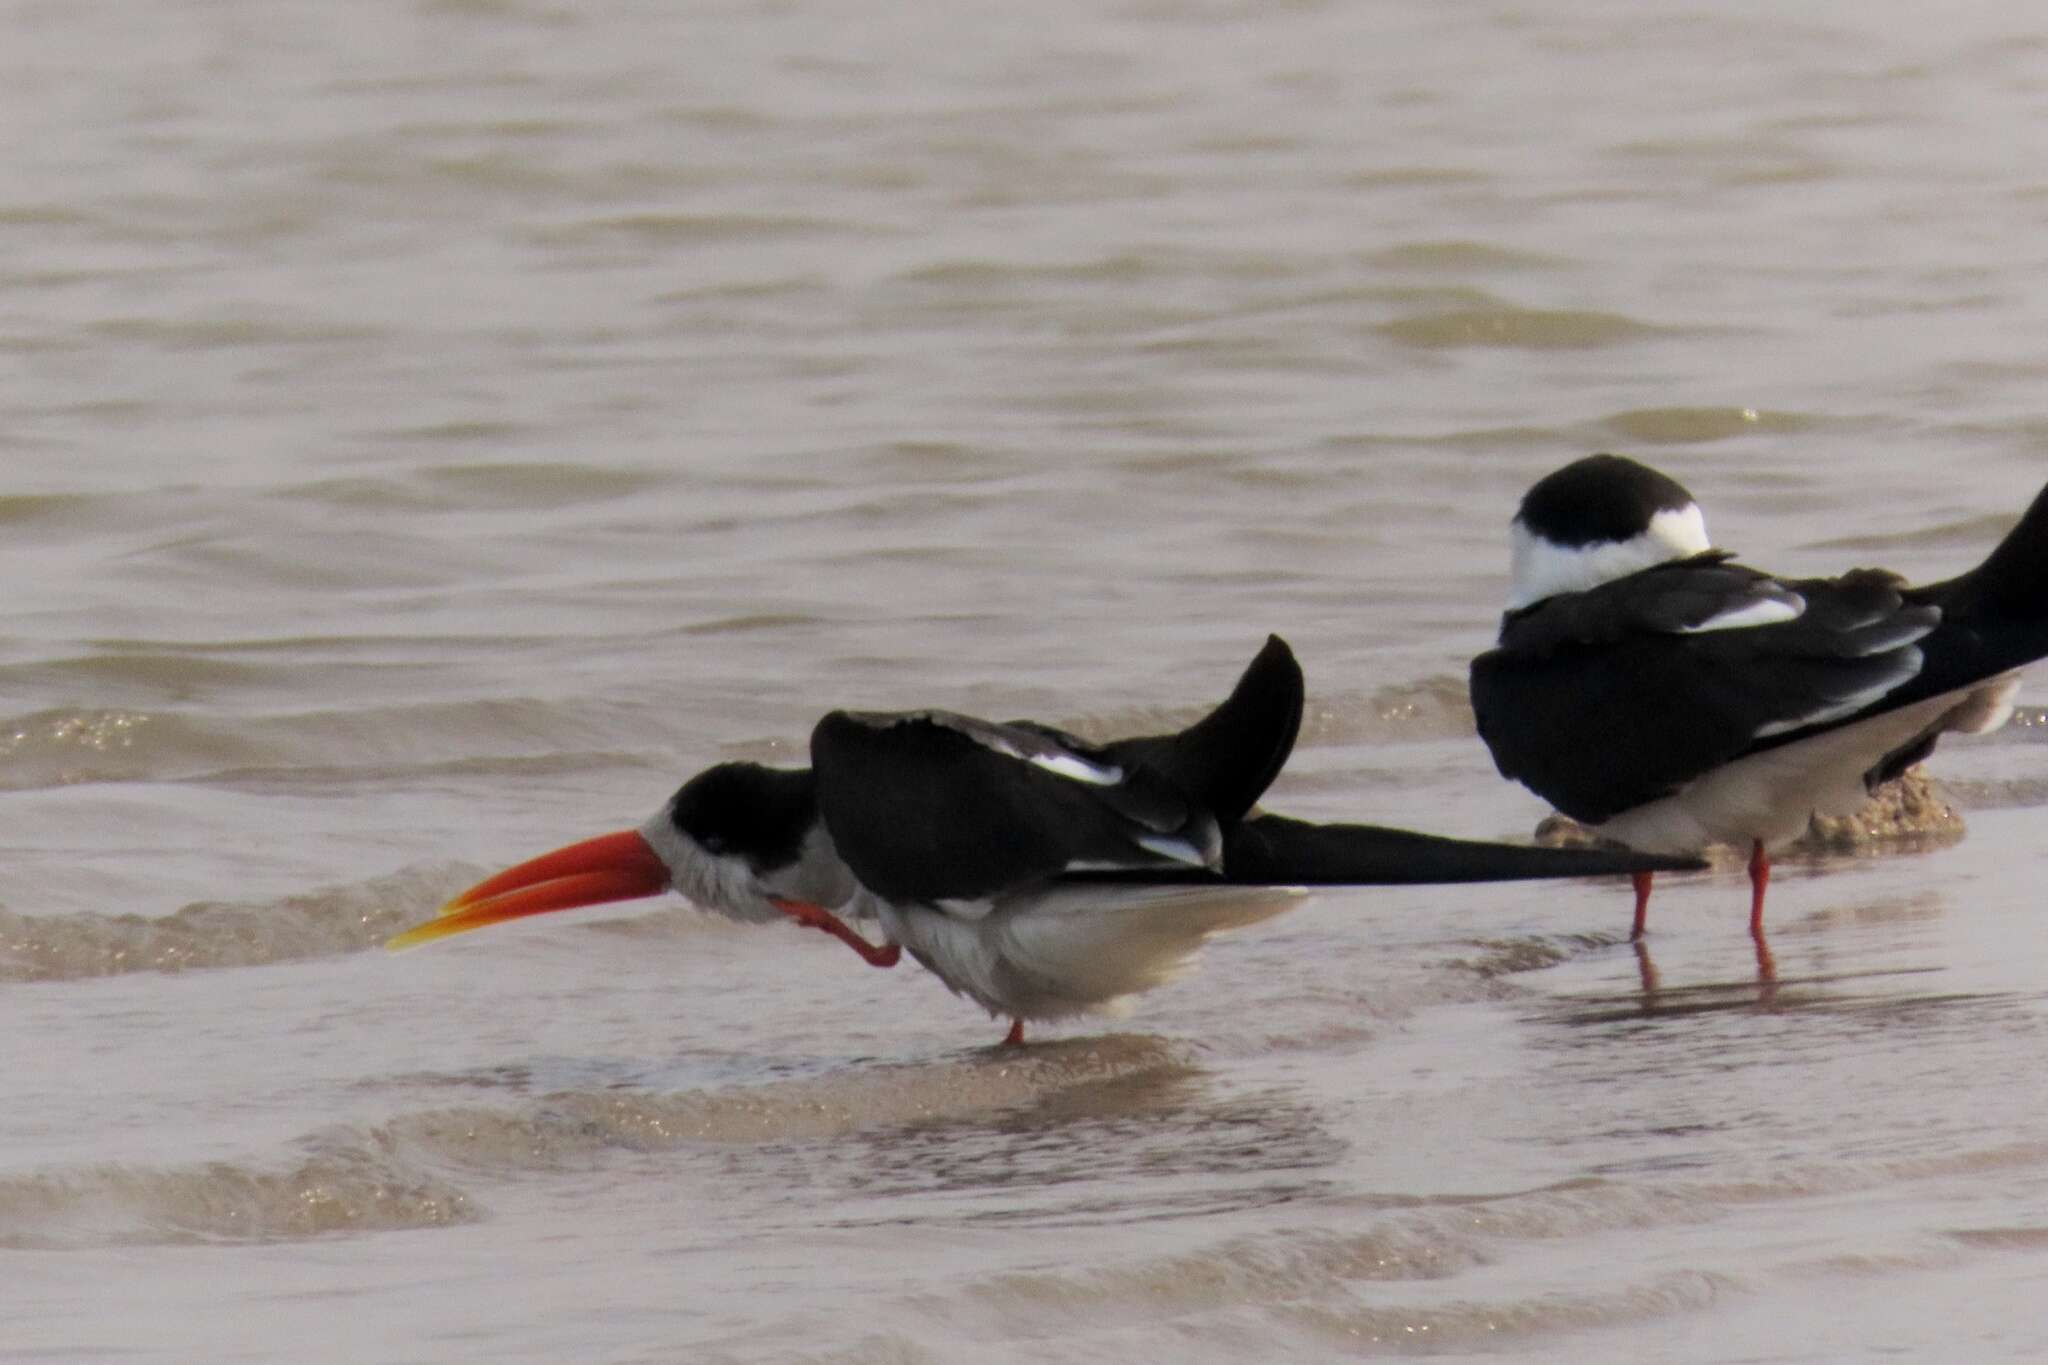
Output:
[[1543, 568], [726, 883]]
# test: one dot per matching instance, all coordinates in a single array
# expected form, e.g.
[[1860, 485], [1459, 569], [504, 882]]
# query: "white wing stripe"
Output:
[[1179, 850], [1059, 762], [1079, 769], [1909, 664], [1764, 612]]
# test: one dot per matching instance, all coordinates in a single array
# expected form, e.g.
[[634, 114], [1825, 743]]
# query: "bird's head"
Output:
[[731, 838], [1596, 520]]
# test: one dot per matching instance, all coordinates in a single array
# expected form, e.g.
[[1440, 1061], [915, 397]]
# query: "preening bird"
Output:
[[1033, 872]]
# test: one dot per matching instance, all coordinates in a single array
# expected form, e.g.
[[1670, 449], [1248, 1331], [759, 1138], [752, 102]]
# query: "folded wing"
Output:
[[1734, 659], [933, 807]]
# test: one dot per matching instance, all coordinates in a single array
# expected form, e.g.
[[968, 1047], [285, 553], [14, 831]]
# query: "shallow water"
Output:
[[433, 429]]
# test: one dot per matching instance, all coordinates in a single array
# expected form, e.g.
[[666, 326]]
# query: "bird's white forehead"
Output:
[[1542, 568]]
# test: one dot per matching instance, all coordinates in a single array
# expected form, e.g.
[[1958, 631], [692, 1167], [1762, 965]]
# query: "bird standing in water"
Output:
[[1037, 874], [1668, 698]]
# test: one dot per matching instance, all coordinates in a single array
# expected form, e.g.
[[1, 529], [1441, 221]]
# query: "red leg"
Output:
[[817, 917], [1015, 1037], [1759, 878], [1642, 881]]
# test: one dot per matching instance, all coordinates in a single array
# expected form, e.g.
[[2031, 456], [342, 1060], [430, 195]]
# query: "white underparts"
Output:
[[1079, 949], [1773, 794]]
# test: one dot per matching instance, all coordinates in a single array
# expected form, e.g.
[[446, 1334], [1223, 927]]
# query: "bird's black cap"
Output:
[[1599, 499], [758, 813]]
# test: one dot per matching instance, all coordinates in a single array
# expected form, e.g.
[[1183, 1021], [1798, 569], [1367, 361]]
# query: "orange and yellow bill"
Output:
[[611, 867]]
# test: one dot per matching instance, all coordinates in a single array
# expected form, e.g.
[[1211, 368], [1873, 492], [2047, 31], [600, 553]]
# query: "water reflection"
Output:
[[1767, 991]]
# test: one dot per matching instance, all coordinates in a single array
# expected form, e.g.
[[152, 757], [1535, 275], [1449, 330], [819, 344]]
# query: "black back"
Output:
[[929, 806], [1600, 701]]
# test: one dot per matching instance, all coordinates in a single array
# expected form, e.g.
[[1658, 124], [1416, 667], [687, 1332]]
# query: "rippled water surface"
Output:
[[431, 428]]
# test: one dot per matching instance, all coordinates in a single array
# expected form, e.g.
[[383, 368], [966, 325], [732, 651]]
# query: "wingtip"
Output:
[[1275, 848], [2012, 581], [1276, 652]]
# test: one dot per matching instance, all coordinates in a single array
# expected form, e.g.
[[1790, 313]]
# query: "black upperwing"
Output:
[[2011, 585], [1993, 618], [1226, 760], [930, 806], [1275, 850], [1603, 700]]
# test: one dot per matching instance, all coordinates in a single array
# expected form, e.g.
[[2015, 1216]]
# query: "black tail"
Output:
[[1272, 850], [1226, 760], [2012, 584]]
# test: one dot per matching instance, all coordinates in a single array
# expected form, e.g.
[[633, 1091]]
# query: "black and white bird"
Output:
[[1037, 874], [1669, 698]]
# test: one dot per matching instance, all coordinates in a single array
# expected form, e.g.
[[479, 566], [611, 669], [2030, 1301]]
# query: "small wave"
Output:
[[1427, 1240], [342, 919], [1498, 440], [48, 509], [1123, 268], [2003, 1238], [1438, 707], [408, 1172], [1526, 328], [543, 484], [1245, 1270], [1433, 708], [1476, 1324], [230, 332], [1695, 426], [58, 748], [1514, 956], [173, 674], [749, 622], [2007, 794], [573, 1125], [345, 1183], [695, 229], [1461, 257], [1971, 537], [68, 746], [1415, 177], [1308, 1282]]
